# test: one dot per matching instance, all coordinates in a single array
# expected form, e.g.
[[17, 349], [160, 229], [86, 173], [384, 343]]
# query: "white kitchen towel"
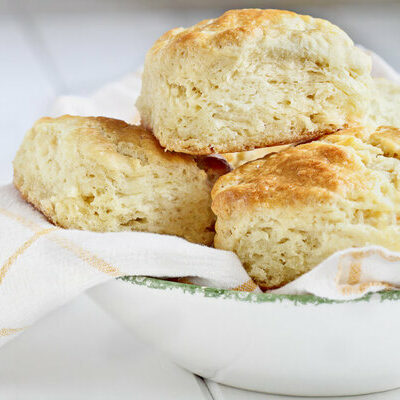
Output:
[[114, 100], [42, 266]]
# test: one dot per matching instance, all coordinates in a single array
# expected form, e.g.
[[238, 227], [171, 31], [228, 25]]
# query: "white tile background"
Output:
[[51, 48]]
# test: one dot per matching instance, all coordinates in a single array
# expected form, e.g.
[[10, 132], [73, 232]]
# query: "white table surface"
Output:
[[79, 352]]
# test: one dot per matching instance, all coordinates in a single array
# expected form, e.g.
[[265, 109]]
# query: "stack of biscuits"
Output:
[[285, 100]]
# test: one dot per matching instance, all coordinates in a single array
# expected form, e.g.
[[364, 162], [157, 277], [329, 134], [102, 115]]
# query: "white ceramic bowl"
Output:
[[296, 345]]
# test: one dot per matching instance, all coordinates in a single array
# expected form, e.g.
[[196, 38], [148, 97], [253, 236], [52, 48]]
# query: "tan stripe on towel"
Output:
[[248, 286], [353, 281], [87, 257], [22, 220], [354, 273], [10, 331], [10, 261], [81, 253], [359, 255], [362, 287]]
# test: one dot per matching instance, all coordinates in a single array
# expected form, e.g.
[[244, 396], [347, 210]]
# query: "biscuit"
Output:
[[385, 110], [102, 174], [285, 213], [252, 78], [385, 104]]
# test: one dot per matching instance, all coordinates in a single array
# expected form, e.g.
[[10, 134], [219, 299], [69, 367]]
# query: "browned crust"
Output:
[[117, 131], [231, 28], [308, 173]]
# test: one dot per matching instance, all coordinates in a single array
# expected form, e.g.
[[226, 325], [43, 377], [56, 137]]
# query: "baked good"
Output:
[[242, 157], [385, 104], [252, 78], [285, 213], [102, 174], [385, 110]]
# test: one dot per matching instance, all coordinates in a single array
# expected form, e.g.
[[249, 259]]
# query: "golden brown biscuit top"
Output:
[[234, 26], [112, 142], [335, 166], [120, 146]]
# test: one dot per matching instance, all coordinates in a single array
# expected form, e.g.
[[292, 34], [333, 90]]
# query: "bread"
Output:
[[385, 110], [285, 213], [102, 174], [385, 105], [250, 79], [242, 157]]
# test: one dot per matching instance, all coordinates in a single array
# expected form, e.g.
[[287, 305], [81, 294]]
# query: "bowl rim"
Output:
[[250, 297]]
